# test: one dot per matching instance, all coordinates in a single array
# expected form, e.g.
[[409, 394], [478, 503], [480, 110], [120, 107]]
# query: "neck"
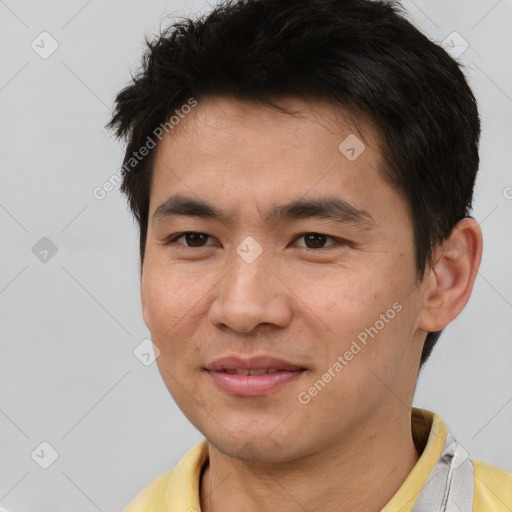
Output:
[[362, 471]]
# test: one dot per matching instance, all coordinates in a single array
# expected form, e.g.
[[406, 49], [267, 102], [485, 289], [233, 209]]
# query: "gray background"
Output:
[[69, 325]]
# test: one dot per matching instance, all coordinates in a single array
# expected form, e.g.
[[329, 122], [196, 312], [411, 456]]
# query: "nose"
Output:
[[251, 294]]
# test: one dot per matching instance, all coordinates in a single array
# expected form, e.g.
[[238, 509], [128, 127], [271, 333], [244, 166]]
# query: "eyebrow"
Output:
[[330, 208]]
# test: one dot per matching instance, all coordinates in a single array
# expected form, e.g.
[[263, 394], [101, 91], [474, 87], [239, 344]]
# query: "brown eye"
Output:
[[192, 239], [315, 240]]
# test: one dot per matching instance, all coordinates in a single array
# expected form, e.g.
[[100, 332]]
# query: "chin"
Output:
[[252, 447]]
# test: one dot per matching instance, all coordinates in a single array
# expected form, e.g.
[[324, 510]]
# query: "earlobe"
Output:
[[452, 276]]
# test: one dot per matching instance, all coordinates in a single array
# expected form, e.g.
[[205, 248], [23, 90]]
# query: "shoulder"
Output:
[[175, 488], [151, 496], [493, 488]]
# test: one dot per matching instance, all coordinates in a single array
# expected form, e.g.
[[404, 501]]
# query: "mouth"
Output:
[[254, 376], [251, 371]]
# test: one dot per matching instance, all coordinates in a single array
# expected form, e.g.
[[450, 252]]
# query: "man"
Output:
[[302, 174]]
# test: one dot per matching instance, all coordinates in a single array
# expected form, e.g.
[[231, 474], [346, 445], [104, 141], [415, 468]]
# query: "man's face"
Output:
[[309, 291]]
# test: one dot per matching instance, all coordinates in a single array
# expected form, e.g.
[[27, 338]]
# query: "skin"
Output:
[[352, 442]]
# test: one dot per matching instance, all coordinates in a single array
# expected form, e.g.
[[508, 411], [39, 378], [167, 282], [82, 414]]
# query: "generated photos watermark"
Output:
[[305, 397], [113, 181]]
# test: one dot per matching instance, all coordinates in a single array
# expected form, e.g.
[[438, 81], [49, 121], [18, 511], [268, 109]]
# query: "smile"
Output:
[[244, 382], [251, 371]]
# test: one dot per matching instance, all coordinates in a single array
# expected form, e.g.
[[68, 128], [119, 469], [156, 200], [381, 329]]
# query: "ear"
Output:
[[449, 283]]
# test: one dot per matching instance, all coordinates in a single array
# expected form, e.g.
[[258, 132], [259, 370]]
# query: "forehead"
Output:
[[247, 158], [225, 134], [219, 118]]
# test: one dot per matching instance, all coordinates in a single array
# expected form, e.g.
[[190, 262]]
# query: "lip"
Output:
[[255, 362], [252, 385]]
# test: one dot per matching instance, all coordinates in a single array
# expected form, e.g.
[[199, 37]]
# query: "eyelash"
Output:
[[174, 238]]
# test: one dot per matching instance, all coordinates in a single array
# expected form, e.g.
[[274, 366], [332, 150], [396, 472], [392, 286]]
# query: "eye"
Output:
[[191, 237], [196, 239], [315, 240]]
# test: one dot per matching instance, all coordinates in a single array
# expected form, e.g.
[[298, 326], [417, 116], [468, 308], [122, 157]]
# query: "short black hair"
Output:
[[362, 55]]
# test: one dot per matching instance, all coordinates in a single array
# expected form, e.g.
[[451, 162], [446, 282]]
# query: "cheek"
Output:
[[167, 298], [347, 301], [166, 309], [172, 311], [155, 301], [366, 314]]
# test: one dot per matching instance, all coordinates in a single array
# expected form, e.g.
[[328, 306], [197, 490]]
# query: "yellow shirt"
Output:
[[443, 479]]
